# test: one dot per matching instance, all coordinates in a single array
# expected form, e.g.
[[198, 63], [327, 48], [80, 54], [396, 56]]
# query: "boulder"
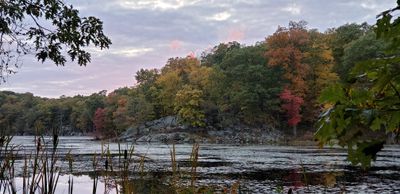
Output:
[[162, 123]]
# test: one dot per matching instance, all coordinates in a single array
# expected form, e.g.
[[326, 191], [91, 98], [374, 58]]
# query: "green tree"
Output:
[[146, 77], [10, 113], [364, 48], [218, 53], [174, 75], [188, 106], [169, 84], [367, 107], [340, 38], [240, 88], [79, 117], [140, 109], [49, 29], [146, 92]]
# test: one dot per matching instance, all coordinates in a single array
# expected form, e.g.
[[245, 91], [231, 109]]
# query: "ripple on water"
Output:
[[259, 169]]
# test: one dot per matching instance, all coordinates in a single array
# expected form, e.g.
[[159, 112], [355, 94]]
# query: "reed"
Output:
[[174, 167], [70, 160], [7, 172], [304, 173], [95, 177], [194, 157], [177, 181], [45, 173], [42, 169]]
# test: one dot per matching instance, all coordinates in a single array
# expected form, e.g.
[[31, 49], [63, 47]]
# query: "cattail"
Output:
[[106, 164], [1, 141], [38, 145], [55, 140]]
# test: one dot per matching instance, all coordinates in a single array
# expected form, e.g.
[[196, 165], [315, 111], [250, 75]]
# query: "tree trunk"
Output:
[[295, 130]]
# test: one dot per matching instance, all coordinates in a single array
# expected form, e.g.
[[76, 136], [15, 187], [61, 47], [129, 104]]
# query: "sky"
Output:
[[146, 33]]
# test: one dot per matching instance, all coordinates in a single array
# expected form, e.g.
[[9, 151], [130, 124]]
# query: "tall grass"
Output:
[[194, 157], [42, 169], [7, 183]]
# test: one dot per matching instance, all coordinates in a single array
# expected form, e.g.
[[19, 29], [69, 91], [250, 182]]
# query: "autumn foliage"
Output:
[[291, 105], [229, 85], [287, 49], [99, 120]]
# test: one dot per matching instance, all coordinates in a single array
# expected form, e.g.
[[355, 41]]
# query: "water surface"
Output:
[[257, 168]]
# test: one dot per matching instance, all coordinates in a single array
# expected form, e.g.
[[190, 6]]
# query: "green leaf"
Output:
[[394, 122], [325, 132], [382, 82], [332, 94], [360, 96], [365, 152], [376, 124]]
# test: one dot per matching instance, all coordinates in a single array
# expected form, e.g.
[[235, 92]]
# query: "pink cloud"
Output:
[[175, 45], [235, 33]]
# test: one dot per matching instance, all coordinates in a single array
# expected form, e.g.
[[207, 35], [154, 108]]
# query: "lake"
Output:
[[254, 168]]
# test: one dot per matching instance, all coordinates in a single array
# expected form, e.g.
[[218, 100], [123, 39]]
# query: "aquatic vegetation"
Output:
[[120, 172]]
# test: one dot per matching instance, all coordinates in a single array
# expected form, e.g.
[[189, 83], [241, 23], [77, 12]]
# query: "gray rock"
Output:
[[145, 131], [168, 129], [145, 138], [130, 132], [162, 123]]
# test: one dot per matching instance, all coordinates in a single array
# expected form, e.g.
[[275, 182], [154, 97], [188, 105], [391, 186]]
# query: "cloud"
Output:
[[155, 4], [220, 16], [293, 8], [119, 51], [175, 45], [145, 33], [131, 52], [233, 33], [369, 6]]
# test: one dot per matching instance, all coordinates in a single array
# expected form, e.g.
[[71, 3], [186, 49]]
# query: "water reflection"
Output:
[[258, 169], [83, 184]]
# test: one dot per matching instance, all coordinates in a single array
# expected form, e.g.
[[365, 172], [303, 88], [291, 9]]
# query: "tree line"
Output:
[[275, 82]]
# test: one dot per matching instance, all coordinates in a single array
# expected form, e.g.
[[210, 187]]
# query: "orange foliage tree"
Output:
[[287, 49], [99, 120], [321, 62]]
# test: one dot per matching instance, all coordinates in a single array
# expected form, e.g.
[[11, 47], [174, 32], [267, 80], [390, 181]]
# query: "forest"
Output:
[[285, 114], [277, 81]]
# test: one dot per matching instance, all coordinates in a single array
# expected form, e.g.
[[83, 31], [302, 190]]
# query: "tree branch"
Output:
[[40, 26], [395, 89]]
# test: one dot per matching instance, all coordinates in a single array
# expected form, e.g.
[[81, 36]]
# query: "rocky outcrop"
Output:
[[169, 130], [176, 137], [161, 125], [164, 123], [246, 136]]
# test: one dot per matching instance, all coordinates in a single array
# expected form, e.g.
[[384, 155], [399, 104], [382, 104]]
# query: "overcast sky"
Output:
[[145, 33]]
